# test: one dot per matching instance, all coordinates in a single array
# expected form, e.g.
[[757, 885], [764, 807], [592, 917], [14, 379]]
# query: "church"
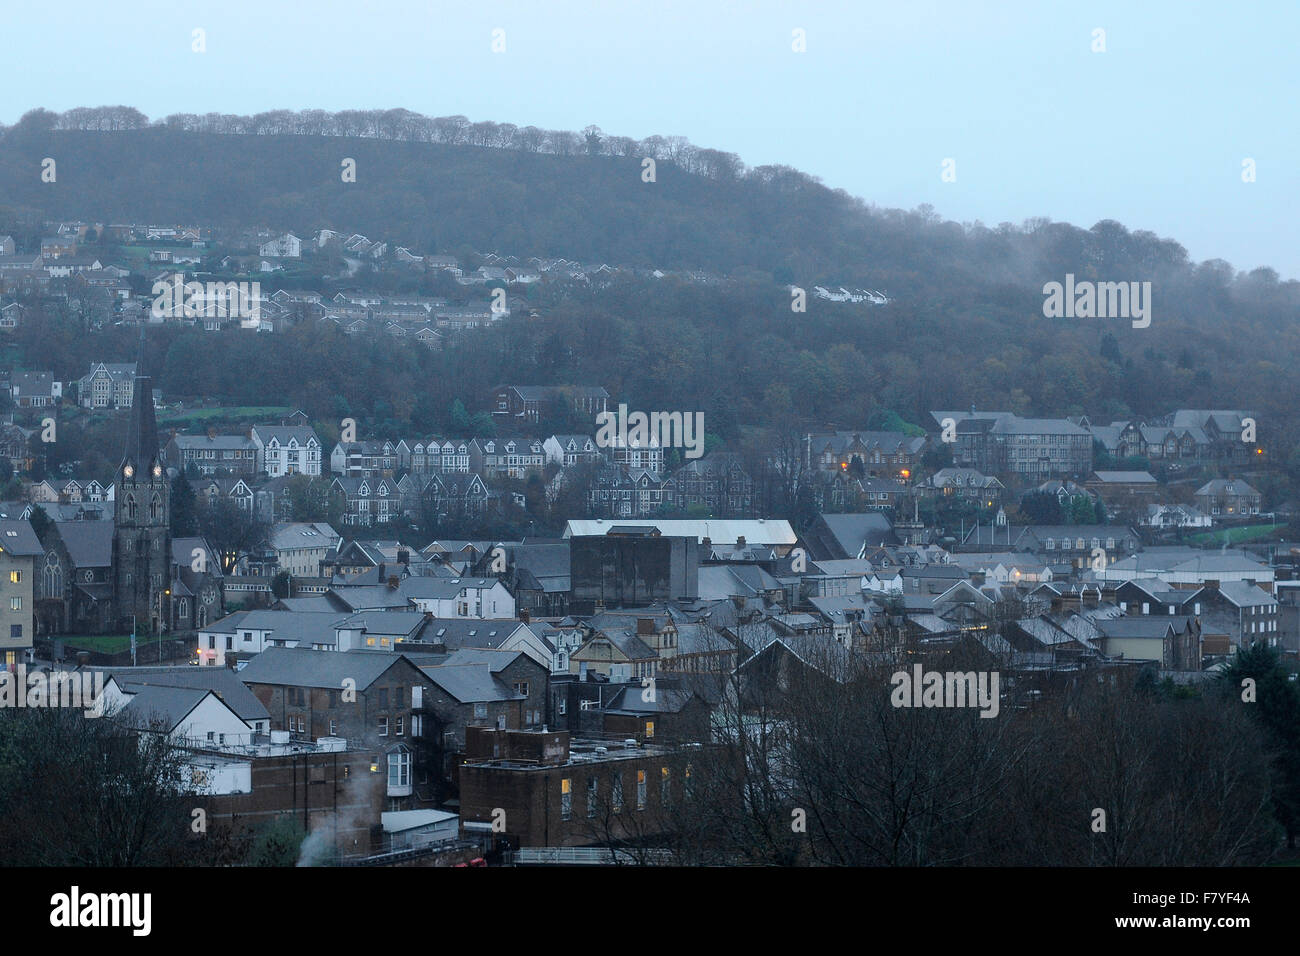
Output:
[[142, 550], [106, 576]]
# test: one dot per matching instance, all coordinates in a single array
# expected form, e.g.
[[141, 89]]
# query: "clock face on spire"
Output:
[[157, 471], [128, 471]]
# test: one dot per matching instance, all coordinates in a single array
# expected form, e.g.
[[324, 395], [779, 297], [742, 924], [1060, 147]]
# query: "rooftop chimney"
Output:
[[740, 541]]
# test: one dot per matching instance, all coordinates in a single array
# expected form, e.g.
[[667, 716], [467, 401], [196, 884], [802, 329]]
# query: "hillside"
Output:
[[964, 325]]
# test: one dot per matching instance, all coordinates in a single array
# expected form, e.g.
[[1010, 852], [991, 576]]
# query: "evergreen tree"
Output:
[[185, 520]]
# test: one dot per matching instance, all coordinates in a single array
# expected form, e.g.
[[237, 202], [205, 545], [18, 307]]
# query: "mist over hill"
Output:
[[964, 325]]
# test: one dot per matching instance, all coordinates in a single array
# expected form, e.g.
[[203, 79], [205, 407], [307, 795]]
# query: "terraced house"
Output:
[[881, 453], [1033, 448], [212, 454], [1187, 436]]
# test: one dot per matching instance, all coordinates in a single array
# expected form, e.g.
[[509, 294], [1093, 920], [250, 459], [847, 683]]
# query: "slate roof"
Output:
[[89, 543], [458, 633], [17, 537], [301, 667], [495, 660], [471, 683], [302, 534], [851, 533], [222, 681], [167, 706], [305, 627], [630, 700]]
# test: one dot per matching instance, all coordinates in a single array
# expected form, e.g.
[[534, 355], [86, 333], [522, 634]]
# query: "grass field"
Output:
[[241, 412], [1248, 532], [102, 643]]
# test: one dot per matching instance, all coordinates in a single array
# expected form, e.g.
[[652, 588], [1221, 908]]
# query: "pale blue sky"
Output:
[[1151, 132]]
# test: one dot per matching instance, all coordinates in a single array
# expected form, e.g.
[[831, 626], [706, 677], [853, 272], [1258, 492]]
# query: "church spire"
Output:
[[142, 431]]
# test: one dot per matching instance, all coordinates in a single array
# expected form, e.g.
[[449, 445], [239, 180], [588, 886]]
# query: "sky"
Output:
[[1153, 130]]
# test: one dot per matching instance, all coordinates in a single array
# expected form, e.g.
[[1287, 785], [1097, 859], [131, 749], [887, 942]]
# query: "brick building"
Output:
[[546, 789], [375, 700]]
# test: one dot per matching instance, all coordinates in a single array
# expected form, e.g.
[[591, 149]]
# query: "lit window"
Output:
[[566, 798]]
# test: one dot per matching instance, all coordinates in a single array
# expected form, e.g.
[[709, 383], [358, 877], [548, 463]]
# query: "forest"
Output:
[[964, 325]]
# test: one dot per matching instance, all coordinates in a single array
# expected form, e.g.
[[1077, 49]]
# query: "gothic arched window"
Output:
[[52, 577], [155, 508], [130, 507]]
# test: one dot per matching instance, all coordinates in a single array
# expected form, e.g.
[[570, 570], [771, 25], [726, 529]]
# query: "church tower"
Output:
[[142, 515]]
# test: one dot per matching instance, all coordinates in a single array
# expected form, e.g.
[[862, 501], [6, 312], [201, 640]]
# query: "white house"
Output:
[[186, 715], [250, 632], [300, 546], [287, 246], [1176, 516], [480, 598], [287, 450]]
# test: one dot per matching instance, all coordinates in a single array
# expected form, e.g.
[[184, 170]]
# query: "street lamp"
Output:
[[161, 614]]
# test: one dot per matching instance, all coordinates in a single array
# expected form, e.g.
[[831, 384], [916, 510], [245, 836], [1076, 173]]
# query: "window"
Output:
[[401, 726], [15, 631], [383, 726], [521, 688], [616, 793], [15, 604], [640, 789], [649, 728], [399, 696], [566, 798], [480, 710], [333, 727], [212, 643], [15, 577], [383, 697], [399, 768], [663, 785]]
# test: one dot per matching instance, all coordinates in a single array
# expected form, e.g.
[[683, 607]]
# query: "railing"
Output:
[[587, 856], [390, 857]]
